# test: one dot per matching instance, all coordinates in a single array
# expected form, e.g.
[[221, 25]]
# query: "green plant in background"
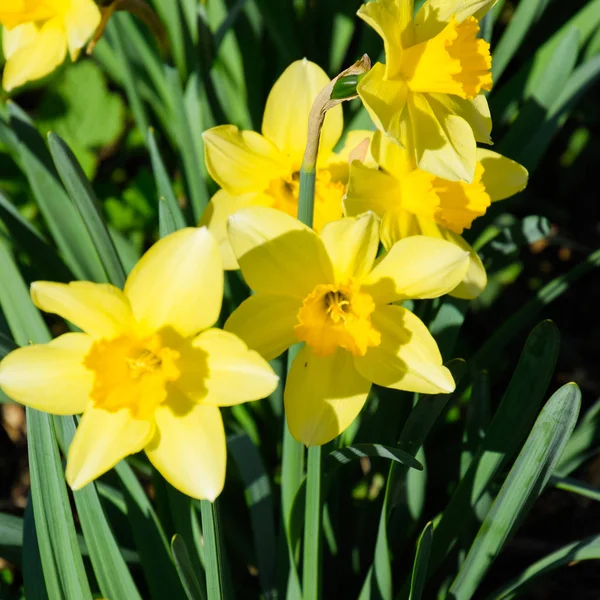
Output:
[[444, 480]]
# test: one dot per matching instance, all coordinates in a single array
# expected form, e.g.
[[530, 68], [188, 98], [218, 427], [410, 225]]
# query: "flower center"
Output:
[[337, 316], [328, 196], [131, 372], [453, 62]]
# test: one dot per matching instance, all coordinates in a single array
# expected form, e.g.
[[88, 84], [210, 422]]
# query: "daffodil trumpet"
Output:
[[148, 371]]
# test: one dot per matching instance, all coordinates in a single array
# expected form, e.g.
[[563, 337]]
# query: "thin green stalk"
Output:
[[306, 199], [311, 560], [212, 550]]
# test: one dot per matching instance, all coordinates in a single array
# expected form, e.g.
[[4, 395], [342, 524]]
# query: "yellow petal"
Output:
[[266, 323], [189, 447], [475, 278], [370, 189], [444, 142], [352, 245], [103, 439], [242, 161], [323, 395], [435, 14], [394, 25], [502, 177], [234, 375], [396, 225], [384, 99], [178, 283], [49, 377], [38, 58], [81, 22], [417, 267], [475, 112], [407, 358], [356, 141], [285, 121], [221, 206], [278, 254], [18, 12], [100, 309], [392, 157], [18, 37]]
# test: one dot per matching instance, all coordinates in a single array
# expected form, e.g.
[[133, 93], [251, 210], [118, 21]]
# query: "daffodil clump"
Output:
[[148, 371], [37, 34]]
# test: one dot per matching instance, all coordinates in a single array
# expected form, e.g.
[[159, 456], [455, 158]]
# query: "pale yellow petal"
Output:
[[370, 189], [392, 157], [435, 14], [417, 267], [397, 224], [285, 121], [100, 309], [81, 22], [44, 53], [384, 99], [277, 254], [178, 283], [475, 278], [234, 374], [475, 112], [352, 245], [408, 357], [103, 439], [502, 177], [188, 448], [323, 395], [18, 37], [221, 206], [242, 161], [444, 143], [394, 25], [49, 377], [357, 146], [266, 323]]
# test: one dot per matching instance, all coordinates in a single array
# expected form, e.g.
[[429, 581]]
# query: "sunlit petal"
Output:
[[323, 395], [502, 177], [285, 121], [49, 377], [17, 37], [370, 189], [266, 323], [407, 358], [234, 373], [102, 439], [188, 448], [100, 309], [242, 161], [396, 225], [417, 267], [81, 21], [352, 245], [277, 253], [178, 282]]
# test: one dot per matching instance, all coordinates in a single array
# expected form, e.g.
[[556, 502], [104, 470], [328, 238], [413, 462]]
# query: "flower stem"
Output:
[[212, 550], [311, 560]]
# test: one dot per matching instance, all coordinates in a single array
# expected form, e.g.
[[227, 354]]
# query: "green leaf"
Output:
[[65, 224], [576, 487], [213, 555], [311, 557], [259, 500], [523, 18], [85, 200], [419, 572], [11, 537], [33, 573], [503, 437], [193, 588], [587, 549], [109, 566], [357, 451], [526, 480]]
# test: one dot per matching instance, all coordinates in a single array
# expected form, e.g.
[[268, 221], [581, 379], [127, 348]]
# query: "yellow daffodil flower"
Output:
[[264, 170], [331, 293], [148, 372], [427, 96], [413, 202], [37, 34]]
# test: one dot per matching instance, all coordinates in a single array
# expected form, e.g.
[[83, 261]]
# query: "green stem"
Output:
[[306, 199], [312, 527], [212, 550]]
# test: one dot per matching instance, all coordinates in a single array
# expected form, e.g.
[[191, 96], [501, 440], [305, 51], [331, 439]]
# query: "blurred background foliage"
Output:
[[133, 114]]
